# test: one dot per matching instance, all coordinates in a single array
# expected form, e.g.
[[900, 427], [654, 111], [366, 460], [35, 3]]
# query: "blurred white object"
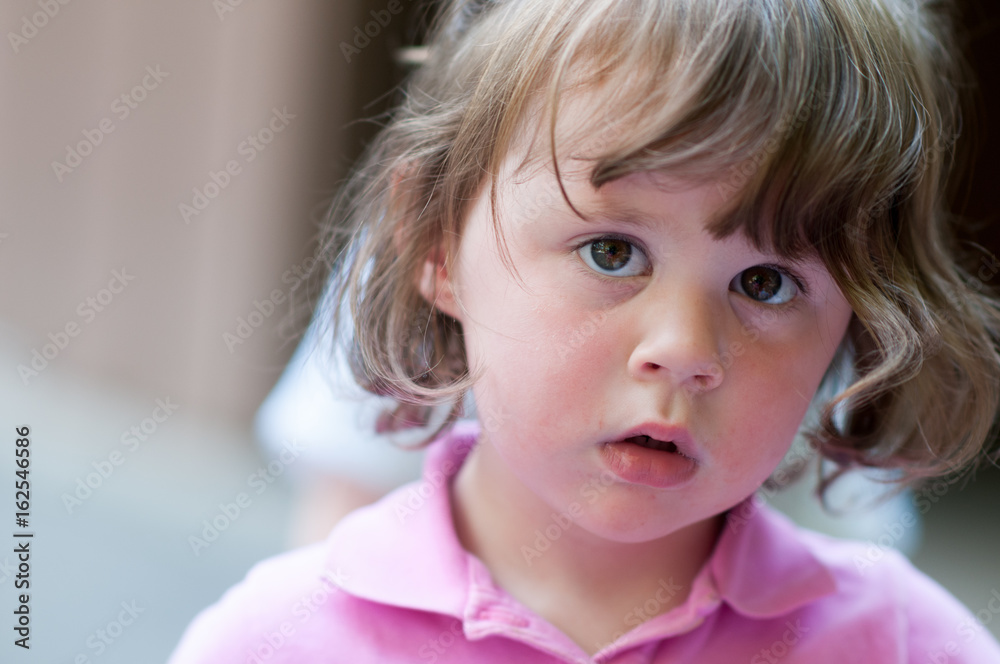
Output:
[[318, 405], [859, 509], [861, 504]]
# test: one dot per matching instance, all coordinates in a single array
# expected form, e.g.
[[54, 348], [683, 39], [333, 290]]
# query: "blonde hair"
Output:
[[832, 123]]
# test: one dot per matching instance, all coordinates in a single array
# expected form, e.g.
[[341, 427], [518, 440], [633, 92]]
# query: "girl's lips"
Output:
[[658, 468]]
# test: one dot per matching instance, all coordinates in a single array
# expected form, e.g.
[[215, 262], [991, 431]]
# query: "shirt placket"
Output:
[[491, 611], [641, 644]]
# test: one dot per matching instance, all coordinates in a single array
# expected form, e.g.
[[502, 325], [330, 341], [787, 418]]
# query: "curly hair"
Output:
[[828, 125]]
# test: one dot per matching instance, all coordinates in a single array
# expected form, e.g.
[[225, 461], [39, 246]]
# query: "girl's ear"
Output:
[[437, 286], [433, 279]]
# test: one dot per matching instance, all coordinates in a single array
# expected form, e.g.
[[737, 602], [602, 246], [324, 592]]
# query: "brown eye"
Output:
[[614, 256], [765, 284], [611, 255]]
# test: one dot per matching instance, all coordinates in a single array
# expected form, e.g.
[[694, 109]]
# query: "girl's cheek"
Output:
[[583, 339]]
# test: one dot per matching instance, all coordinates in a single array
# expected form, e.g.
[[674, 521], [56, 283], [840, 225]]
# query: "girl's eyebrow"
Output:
[[621, 213]]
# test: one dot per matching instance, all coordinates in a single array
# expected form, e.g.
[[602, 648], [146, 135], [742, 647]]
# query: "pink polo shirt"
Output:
[[393, 584]]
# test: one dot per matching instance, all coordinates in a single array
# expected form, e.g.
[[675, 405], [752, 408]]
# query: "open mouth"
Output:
[[653, 444], [654, 462]]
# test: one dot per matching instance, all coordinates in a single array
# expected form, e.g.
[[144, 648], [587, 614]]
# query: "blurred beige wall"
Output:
[[113, 115]]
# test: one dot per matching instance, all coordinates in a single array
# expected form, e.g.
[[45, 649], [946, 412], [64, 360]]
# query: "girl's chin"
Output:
[[622, 522]]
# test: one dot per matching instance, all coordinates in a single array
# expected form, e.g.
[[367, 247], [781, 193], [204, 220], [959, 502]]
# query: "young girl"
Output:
[[648, 235]]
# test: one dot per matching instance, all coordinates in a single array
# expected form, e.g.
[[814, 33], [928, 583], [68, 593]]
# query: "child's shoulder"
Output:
[[344, 592], [264, 612], [874, 579]]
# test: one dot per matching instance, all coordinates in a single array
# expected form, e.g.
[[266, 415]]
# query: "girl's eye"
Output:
[[614, 257], [765, 284]]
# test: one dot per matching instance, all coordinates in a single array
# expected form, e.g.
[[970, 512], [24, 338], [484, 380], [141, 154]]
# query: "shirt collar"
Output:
[[403, 550], [762, 567]]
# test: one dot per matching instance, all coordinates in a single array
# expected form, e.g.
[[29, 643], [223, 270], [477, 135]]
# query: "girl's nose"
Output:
[[679, 342]]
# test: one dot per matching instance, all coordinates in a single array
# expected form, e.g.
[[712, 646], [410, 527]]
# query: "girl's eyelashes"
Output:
[[614, 256], [618, 256], [767, 284]]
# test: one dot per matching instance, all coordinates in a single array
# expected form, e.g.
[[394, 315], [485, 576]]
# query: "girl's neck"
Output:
[[584, 584]]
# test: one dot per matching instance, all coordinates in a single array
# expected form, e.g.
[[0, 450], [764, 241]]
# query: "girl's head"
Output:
[[729, 144]]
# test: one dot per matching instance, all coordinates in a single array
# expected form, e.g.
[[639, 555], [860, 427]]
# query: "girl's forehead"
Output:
[[571, 138], [531, 189]]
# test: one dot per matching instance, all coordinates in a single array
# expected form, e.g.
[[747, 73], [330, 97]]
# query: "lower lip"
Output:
[[636, 464]]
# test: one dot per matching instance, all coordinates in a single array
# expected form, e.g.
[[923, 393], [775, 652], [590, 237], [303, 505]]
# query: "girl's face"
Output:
[[634, 323]]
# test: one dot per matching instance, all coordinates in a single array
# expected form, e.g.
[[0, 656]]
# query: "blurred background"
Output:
[[166, 167]]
